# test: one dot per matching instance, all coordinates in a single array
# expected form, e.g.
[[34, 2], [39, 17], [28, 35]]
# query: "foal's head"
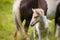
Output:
[[37, 16]]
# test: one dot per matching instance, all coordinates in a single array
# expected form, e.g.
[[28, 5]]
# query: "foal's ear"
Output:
[[33, 10], [40, 11]]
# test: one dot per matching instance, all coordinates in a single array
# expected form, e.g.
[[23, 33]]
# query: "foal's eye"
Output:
[[36, 16]]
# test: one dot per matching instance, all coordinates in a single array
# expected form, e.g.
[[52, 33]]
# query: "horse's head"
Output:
[[37, 16]]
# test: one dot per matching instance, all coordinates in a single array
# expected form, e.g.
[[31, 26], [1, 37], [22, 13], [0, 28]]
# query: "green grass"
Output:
[[7, 23]]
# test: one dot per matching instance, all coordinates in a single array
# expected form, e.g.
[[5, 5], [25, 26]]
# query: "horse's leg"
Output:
[[56, 30], [57, 20], [26, 26], [15, 34], [18, 29]]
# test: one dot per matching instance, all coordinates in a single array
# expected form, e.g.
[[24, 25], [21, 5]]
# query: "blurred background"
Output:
[[7, 28], [6, 20]]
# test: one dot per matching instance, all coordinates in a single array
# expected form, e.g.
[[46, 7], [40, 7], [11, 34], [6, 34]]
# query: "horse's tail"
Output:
[[16, 13]]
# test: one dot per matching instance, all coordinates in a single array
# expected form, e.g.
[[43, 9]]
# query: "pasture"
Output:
[[7, 26]]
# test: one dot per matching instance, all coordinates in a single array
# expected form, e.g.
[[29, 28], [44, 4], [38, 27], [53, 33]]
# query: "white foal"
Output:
[[39, 20]]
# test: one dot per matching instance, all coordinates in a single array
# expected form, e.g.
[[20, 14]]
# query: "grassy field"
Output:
[[7, 23], [6, 20]]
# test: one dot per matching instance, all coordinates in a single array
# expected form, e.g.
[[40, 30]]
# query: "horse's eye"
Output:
[[36, 16]]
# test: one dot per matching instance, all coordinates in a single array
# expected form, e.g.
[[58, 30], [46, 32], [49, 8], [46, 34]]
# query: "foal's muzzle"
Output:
[[33, 23]]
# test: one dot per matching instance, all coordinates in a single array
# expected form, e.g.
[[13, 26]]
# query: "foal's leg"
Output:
[[38, 31], [46, 27], [26, 29], [47, 34], [45, 21], [34, 33]]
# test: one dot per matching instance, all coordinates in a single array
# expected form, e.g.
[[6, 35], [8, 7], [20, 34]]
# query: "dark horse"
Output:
[[57, 19], [22, 9]]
